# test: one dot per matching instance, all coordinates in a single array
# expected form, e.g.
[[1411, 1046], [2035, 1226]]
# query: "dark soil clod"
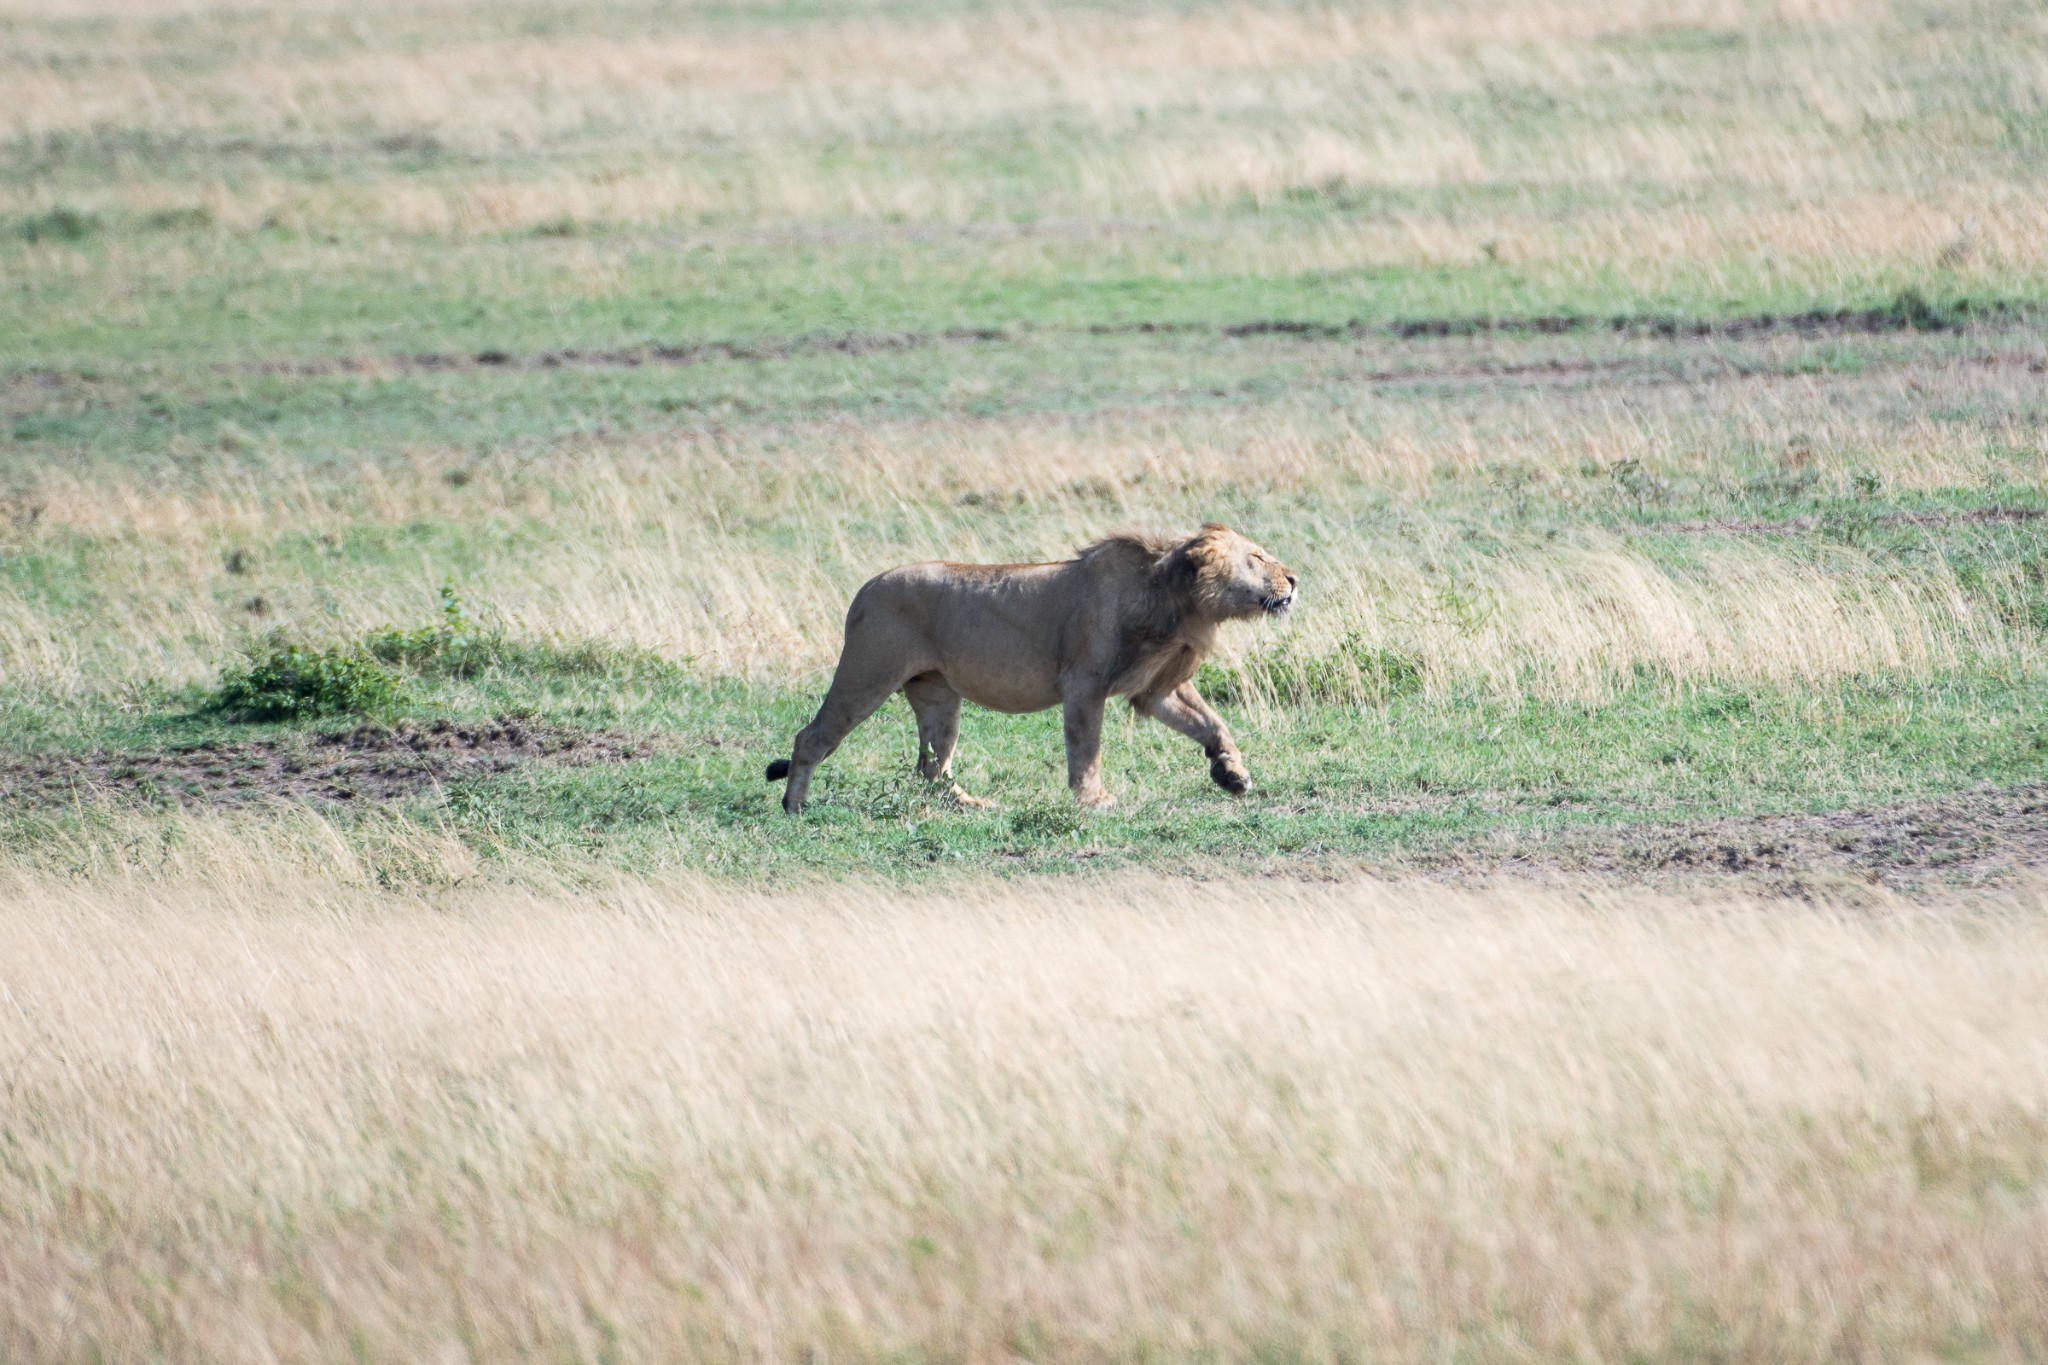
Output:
[[370, 763]]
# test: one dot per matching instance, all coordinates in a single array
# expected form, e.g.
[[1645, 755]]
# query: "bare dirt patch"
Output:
[[370, 763], [1841, 322], [1970, 837], [633, 357]]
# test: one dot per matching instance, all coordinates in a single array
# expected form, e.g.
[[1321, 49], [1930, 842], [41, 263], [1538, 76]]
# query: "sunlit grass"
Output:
[[266, 1112]]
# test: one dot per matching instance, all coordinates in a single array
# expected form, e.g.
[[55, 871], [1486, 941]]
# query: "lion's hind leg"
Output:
[[856, 693], [937, 708]]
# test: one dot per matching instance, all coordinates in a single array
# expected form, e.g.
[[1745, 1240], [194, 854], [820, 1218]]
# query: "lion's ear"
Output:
[[1206, 545]]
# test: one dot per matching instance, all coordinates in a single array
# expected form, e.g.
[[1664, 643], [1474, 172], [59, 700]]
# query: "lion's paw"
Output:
[[1230, 775]]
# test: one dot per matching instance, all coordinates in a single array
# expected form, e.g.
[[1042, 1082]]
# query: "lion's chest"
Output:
[[1157, 669]]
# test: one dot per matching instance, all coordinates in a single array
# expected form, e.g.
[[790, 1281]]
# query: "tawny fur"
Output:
[[1129, 616]]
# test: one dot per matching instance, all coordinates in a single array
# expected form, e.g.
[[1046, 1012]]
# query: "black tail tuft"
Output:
[[778, 770]]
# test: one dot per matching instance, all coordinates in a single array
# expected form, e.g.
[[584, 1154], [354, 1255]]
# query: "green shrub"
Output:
[[60, 224], [452, 646], [287, 681], [1911, 308], [290, 681]]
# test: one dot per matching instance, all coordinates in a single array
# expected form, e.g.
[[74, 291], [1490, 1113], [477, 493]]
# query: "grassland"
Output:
[[1651, 399], [1554, 580], [261, 1115]]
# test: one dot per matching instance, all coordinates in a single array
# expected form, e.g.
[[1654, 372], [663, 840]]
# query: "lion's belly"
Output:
[[1002, 687]]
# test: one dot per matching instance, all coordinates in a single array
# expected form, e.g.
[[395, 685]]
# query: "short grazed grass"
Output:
[[1457, 782]]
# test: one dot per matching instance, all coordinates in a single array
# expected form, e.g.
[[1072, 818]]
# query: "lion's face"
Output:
[[1235, 578]]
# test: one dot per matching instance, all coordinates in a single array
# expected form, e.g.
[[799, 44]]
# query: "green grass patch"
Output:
[[457, 645], [1414, 780], [1355, 670], [1418, 779]]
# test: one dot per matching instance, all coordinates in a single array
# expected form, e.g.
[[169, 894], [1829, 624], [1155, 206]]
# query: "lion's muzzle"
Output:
[[1280, 603]]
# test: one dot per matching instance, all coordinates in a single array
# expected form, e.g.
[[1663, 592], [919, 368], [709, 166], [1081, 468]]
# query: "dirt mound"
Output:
[[1971, 837], [368, 763]]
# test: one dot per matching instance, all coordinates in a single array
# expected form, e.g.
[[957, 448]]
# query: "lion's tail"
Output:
[[778, 770]]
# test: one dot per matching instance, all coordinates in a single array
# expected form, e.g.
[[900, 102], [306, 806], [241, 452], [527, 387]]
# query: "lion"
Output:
[[1129, 616]]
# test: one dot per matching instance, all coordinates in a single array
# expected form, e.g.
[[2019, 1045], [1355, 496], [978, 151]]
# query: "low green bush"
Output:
[[451, 646], [286, 681], [60, 224]]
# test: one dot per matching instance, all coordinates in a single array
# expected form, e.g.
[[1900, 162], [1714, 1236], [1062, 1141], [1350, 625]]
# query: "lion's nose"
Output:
[[1292, 582]]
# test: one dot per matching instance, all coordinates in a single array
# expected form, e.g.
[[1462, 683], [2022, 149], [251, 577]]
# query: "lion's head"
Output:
[[1234, 578]]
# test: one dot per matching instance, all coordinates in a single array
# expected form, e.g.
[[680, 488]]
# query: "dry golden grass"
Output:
[[1828, 126], [1979, 237], [255, 1111], [521, 86]]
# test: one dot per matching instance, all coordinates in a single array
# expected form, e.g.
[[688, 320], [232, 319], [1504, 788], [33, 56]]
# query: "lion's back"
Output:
[[944, 599]]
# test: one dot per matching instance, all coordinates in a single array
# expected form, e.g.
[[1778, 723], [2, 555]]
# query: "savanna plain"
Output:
[[438, 443]]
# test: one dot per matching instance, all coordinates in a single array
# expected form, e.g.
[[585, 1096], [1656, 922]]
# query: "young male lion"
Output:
[[1131, 616]]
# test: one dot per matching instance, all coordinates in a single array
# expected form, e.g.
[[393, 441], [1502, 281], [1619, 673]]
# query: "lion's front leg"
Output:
[[1184, 710], [1083, 716]]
